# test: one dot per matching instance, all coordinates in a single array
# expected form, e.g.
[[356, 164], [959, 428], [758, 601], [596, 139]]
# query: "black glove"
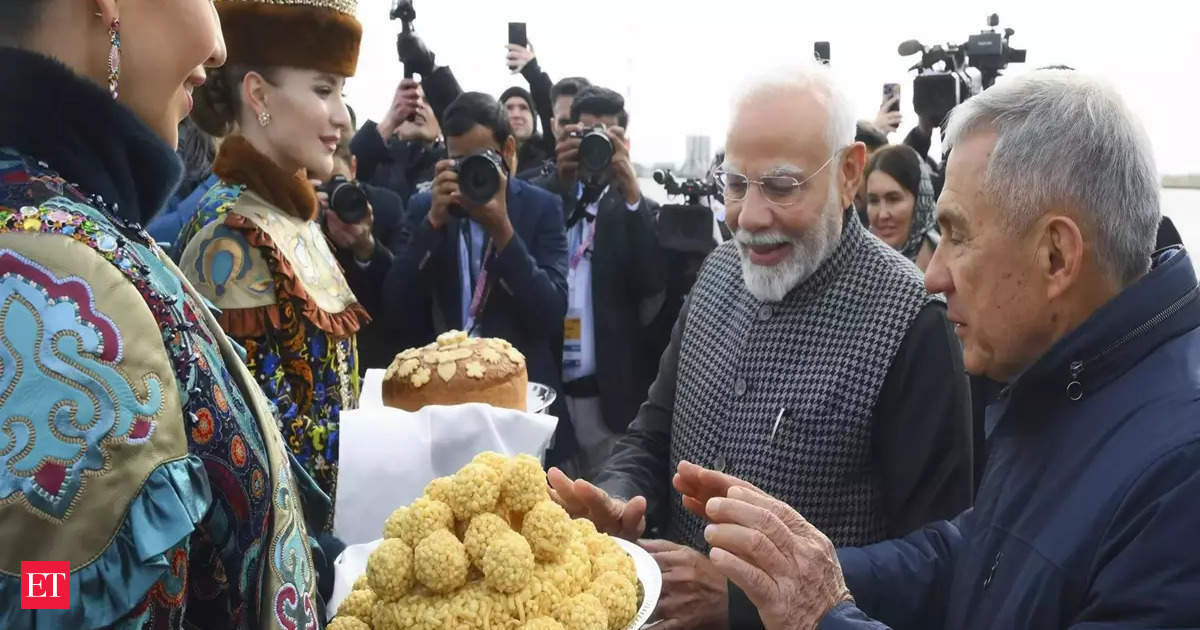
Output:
[[415, 56]]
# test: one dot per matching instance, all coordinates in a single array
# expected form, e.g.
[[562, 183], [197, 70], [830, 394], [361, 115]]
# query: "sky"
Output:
[[679, 62]]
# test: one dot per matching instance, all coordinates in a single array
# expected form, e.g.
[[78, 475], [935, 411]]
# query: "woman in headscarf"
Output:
[[900, 203], [135, 447], [255, 247]]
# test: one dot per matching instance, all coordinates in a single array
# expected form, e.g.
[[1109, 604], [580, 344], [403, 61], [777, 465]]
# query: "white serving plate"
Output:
[[353, 562]]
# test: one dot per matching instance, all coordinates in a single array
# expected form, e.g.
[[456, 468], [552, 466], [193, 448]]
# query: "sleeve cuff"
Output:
[[367, 143], [512, 262], [531, 70], [846, 616]]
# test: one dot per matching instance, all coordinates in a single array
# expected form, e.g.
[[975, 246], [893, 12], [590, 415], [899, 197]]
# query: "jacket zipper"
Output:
[[1075, 387]]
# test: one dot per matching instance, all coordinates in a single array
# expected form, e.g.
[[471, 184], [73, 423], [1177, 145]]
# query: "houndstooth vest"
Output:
[[821, 356]]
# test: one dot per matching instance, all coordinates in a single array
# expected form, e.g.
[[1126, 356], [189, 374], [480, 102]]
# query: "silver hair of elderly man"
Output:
[[1067, 140], [825, 83]]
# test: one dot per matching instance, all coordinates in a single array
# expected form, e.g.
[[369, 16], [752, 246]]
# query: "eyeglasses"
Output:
[[781, 190]]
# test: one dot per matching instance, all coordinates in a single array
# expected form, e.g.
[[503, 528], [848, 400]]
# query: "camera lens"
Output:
[[347, 200], [595, 151], [478, 178]]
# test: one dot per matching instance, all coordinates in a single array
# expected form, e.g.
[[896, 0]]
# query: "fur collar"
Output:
[[238, 162], [53, 115]]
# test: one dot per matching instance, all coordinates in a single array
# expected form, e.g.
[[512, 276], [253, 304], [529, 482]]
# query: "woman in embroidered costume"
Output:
[[135, 446], [254, 248]]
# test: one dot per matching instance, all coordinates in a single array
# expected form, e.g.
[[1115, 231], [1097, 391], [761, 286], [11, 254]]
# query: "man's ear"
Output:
[[1060, 253], [851, 167], [509, 153]]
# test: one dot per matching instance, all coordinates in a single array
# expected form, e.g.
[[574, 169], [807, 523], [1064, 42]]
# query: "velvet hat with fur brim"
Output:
[[297, 35]]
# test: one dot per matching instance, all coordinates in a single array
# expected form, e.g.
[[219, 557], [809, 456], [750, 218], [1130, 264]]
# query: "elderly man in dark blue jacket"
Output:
[[1089, 508]]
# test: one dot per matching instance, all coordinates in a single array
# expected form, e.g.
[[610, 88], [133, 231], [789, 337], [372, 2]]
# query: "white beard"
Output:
[[809, 251]]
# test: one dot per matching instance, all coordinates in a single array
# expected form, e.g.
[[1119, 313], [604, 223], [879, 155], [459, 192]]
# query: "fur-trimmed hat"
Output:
[[319, 35]]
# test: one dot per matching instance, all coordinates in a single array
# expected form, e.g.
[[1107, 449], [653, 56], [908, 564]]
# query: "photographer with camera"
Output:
[[488, 253], [399, 153], [616, 273], [363, 221]]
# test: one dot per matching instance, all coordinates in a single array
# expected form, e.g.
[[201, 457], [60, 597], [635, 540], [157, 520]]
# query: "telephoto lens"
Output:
[[347, 199], [479, 176], [595, 150]]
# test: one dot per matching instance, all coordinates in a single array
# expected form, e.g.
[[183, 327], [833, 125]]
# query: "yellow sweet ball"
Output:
[[548, 530], [440, 562], [390, 569], [607, 555], [439, 489], [393, 526], [414, 612], [470, 607], [484, 528], [618, 596], [474, 490], [618, 562], [508, 563], [582, 612], [347, 623], [493, 460], [542, 623], [584, 528], [425, 516], [524, 484], [359, 604], [361, 583]]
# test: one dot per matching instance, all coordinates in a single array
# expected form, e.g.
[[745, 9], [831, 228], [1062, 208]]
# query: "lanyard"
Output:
[[585, 245], [478, 297]]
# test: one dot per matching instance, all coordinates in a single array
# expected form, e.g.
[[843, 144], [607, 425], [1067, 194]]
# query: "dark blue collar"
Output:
[[1161, 306], [51, 114]]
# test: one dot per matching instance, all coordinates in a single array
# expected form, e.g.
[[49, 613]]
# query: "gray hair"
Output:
[[1067, 140], [841, 124]]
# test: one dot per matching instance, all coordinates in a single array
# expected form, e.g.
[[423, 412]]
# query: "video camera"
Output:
[[692, 189], [937, 90], [403, 10]]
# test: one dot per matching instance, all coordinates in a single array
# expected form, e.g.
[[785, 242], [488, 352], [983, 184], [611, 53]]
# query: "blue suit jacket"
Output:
[[528, 300]]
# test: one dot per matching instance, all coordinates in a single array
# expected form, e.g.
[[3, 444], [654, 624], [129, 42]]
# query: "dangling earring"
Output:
[[264, 118], [114, 57]]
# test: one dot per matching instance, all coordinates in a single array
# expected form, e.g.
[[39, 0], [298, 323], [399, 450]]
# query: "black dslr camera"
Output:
[[940, 88], [347, 199], [478, 177], [595, 151]]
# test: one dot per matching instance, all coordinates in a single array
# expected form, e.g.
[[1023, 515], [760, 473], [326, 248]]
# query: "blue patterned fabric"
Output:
[[204, 520]]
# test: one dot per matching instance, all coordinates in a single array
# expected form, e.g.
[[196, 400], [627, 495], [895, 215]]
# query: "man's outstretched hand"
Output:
[[697, 485], [624, 519]]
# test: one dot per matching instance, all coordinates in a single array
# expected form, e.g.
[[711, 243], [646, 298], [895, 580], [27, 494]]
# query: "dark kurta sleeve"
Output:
[[640, 460], [923, 441]]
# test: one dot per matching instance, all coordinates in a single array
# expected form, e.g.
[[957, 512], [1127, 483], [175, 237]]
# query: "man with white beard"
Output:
[[808, 360]]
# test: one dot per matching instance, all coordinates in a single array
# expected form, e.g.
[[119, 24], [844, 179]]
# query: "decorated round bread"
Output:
[[457, 369]]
